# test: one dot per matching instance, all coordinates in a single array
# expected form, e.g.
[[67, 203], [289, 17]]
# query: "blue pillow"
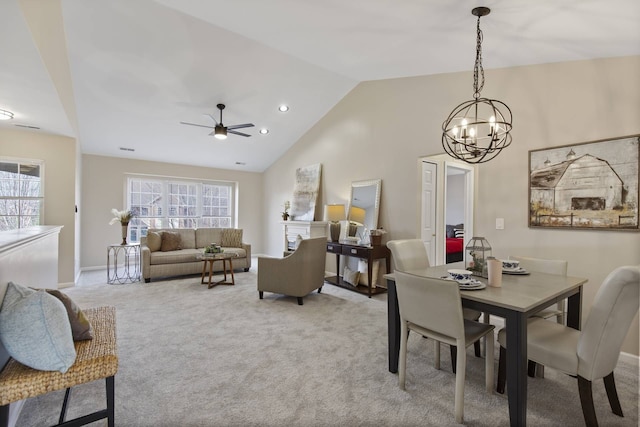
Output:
[[35, 329]]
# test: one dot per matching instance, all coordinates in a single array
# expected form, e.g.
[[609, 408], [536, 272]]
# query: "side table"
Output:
[[209, 259], [129, 269]]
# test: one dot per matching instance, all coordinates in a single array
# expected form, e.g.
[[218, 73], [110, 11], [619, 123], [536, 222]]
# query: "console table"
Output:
[[370, 253]]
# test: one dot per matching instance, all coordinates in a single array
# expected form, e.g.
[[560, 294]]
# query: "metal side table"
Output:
[[123, 263]]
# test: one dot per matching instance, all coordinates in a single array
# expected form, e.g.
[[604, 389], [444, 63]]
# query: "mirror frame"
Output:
[[366, 183]]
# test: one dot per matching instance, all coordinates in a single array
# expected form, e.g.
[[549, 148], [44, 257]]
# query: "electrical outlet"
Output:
[[499, 223]]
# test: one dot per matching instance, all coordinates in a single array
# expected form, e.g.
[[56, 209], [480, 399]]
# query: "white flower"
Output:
[[121, 216]]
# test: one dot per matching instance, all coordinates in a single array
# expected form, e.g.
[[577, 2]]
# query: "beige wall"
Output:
[[59, 155], [382, 128], [103, 188]]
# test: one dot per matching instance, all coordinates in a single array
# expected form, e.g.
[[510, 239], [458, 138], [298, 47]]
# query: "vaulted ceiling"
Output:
[[122, 74]]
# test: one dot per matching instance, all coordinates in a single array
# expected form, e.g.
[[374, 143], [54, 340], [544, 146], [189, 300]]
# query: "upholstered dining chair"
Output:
[[296, 275], [549, 266], [433, 308], [410, 254], [592, 353]]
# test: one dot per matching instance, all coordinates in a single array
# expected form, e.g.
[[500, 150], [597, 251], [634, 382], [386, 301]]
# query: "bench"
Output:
[[96, 359]]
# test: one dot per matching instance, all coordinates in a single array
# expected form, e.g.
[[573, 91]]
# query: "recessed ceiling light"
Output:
[[283, 108], [8, 115], [264, 131], [240, 163]]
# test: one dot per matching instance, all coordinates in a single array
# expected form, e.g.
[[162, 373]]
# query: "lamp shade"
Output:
[[357, 215], [333, 213]]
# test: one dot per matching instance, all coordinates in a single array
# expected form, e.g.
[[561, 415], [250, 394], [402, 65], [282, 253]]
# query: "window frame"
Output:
[[190, 188], [41, 198]]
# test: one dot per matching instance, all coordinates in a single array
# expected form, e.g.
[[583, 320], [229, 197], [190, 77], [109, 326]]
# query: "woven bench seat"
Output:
[[96, 359]]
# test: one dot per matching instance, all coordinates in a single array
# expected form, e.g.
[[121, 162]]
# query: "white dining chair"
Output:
[[433, 308], [411, 254], [549, 266], [593, 352]]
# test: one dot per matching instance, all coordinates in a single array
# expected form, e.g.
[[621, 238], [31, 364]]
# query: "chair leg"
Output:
[[461, 362], [586, 400], [110, 385], [502, 370], [539, 370], [454, 351], [436, 350], [531, 369], [65, 402], [261, 294], [612, 394], [4, 416], [320, 289], [402, 362], [476, 348], [299, 300], [488, 361]]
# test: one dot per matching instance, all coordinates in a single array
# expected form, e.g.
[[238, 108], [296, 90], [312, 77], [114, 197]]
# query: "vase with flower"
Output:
[[285, 214], [123, 217]]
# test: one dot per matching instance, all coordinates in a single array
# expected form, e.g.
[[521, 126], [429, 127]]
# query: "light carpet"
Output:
[[192, 356]]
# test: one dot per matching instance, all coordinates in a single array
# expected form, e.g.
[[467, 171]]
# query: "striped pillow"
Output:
[[232, 238], [458, 233]]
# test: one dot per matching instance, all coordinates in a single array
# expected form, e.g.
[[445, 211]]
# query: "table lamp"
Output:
[[334, 214]]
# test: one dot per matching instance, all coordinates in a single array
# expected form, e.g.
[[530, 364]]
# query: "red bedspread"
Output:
[[454, 245]]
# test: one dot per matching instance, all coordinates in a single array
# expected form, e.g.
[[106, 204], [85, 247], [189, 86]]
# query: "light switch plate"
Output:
[[499, 223]]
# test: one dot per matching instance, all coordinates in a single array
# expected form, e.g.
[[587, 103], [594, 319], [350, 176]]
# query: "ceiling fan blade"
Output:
[[237, 133], [212, 118], [195, 124], [244, 125]]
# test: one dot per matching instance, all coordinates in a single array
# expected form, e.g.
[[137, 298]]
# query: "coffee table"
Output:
[[209, 259]]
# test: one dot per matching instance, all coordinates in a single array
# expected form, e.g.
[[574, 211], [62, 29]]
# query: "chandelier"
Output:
[[476, 131]]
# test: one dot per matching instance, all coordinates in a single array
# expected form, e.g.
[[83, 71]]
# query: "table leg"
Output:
[[204, 270], [393, 321], [233, 280], [574, 310], [516, 324]]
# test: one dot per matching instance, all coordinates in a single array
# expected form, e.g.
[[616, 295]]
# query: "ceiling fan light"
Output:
[[220, 133]]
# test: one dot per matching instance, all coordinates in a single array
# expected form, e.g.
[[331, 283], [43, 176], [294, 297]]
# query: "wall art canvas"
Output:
[[593, 185], [305, 192]]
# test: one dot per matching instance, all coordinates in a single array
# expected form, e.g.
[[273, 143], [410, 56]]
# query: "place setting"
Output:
[[510, 266], [464, 279]]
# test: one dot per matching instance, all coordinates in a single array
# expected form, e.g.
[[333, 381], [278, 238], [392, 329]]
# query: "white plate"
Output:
[[474, 287], [519, 271]]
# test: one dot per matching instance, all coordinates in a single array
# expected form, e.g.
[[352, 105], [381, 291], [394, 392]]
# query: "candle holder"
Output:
[[477, 251]]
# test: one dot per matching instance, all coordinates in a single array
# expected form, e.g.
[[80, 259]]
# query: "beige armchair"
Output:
[[296, 275]]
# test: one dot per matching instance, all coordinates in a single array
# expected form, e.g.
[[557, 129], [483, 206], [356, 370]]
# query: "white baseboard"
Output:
[[66, 285], [630, 358]]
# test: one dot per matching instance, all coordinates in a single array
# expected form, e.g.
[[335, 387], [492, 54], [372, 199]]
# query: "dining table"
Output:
[[520, 297]]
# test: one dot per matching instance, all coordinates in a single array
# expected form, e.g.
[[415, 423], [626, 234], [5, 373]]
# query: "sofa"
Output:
[[176, 251]]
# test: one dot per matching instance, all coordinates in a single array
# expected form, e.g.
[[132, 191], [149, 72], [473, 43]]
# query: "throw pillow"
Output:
[[232, 238], [154, 241], [299, 240], [351, 276], [35, 329], [364, 275], [80, 327], [170, 241], [450, 231], [459, 234]]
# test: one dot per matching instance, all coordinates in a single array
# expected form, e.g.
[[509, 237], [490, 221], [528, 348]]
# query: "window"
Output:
[[170, 203], [21, 193]]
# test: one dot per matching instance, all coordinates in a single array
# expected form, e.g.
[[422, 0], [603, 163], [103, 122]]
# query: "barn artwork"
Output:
[[585, 186]]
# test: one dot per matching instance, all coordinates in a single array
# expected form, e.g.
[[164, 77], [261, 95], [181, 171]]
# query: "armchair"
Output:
[[296, 275]]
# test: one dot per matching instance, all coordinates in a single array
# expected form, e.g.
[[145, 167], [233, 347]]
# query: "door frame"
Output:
[[443, 162]]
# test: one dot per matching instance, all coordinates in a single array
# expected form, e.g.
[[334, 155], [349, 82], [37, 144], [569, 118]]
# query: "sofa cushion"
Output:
[[154, 241], [232, 237], [207, 236], [35, 329], [170, 241], [175, 257]]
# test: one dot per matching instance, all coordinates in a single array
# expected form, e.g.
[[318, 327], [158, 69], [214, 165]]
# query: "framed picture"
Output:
[[593, 185]]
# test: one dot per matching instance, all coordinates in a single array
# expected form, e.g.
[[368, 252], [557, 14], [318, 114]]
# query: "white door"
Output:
[[428, 220]]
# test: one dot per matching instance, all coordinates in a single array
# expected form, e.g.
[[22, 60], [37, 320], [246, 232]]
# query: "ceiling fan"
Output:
[[220, 130]]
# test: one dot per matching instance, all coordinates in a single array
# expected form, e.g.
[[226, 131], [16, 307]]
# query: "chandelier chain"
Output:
[[478, 70]]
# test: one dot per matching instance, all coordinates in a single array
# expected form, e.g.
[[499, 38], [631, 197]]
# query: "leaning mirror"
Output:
[[364, 207]]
